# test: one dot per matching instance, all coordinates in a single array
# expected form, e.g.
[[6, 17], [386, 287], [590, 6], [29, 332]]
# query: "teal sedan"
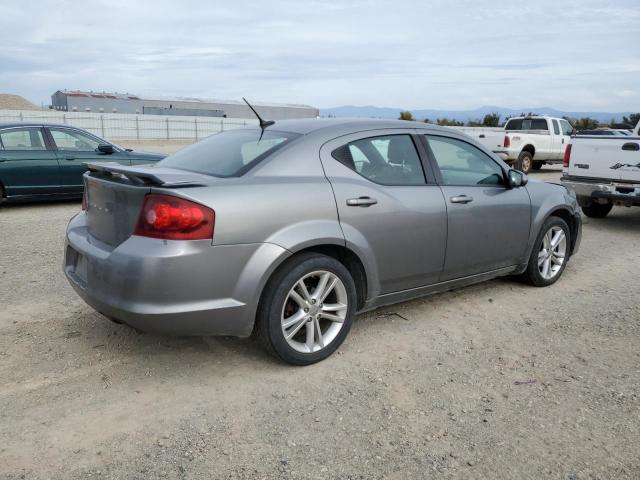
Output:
[[43, 161]]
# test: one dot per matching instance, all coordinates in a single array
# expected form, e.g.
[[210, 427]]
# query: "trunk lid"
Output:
[[115, 194]]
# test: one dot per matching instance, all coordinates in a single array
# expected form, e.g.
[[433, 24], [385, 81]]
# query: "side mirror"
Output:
[[516, 178], [105, 149]]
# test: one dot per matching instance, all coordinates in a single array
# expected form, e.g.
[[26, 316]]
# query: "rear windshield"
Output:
[[228, 154], [527, 124]]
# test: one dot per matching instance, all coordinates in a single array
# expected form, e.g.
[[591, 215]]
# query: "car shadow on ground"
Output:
[[99, 332], [620, 220]]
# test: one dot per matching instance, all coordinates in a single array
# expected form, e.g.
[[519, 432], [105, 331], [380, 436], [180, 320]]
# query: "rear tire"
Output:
[[524, 162], [550, 253], [302, 318], [597, 210], [537, 165]]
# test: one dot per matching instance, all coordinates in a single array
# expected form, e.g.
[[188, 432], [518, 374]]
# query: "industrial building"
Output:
[[104, 102]]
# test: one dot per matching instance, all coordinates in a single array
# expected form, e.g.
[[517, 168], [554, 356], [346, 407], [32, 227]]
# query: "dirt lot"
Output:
[[498, 380]]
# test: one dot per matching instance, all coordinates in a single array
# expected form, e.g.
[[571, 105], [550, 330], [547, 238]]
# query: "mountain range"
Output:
[[462, 115]]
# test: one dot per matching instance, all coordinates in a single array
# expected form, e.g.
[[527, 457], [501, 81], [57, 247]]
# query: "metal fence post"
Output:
[[137, 129], [195, 123], [21, 117], [102, 124], [64, 118], [222, 125], [167, 119]]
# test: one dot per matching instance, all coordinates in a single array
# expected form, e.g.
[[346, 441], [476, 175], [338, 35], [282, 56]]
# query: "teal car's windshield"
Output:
[[228, 154]]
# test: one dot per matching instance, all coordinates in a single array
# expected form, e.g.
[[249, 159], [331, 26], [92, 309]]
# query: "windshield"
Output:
[[228, 154]]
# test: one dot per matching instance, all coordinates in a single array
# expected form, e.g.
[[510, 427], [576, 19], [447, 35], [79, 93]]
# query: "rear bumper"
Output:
[[170, 287], [625, 193]]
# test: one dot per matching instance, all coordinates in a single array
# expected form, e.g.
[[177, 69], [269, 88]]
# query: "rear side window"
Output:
[[556, 127], [23, 139], [387, 160], [228, 154]]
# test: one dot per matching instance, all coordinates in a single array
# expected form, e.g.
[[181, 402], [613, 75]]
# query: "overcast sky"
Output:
[[571, 55]]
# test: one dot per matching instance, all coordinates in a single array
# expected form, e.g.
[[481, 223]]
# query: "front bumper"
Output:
[[577, 232], [170, 287], [603, 192]]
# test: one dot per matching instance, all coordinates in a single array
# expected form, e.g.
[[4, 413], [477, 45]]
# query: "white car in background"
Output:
[[529, 142], [603, 170]]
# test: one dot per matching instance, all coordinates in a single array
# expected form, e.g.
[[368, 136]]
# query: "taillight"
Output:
[[173, 218], [84, 198], [567, 157], [507, 141]]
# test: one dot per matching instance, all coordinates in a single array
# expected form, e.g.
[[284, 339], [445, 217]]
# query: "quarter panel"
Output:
[[545, 198], [287, 211]]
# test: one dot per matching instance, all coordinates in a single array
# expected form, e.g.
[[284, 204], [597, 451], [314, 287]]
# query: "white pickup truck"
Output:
[[528, 142], [603, 171]]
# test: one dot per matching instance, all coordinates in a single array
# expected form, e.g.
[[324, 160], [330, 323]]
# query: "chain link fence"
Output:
[[130, 127]]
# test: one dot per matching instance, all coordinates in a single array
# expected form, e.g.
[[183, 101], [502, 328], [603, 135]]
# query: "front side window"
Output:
[[463, 164], [566, 127], [23, 139], [72, 140], [387, 159]]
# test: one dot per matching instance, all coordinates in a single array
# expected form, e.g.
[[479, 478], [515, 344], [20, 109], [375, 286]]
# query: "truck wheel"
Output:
[[524, 163], [597, 210], [537, 165]]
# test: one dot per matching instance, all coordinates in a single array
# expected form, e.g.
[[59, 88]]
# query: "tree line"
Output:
[[493, 120]]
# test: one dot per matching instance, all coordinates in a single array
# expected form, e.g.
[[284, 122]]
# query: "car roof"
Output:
[[306, 126], [35, 124]]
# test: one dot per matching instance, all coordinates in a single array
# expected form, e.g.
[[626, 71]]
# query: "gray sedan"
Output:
[[289, 231]]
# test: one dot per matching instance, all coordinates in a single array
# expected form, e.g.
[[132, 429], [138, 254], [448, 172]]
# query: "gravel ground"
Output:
[[497, 380]]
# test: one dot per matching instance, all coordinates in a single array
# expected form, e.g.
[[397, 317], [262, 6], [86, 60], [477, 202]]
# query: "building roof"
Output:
[[128, 96]]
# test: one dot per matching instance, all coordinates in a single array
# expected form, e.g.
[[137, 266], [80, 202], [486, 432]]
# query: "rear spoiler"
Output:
[[145, 175]]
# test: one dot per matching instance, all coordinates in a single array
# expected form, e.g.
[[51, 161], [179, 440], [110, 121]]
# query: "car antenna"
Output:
[[263, 123]]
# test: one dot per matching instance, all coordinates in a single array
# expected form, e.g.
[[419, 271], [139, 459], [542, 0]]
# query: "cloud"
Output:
[[573, 55]]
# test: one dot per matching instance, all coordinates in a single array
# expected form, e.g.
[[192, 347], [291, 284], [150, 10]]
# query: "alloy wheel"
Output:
[[552, 253], [314, 311]]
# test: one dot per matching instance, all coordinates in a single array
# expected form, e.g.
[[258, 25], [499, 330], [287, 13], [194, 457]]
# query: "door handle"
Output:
[[481, 135], [361, 202], [631, 146], [69, 157], [461, 199]]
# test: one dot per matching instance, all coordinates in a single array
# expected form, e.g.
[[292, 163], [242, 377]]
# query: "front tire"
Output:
[[550, 253], [525, 162], [597, 210], [307, 309]]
